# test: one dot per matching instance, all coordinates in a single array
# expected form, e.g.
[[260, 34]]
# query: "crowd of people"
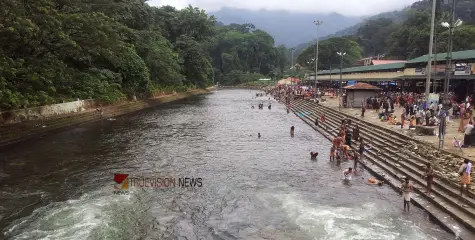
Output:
[[415, 110]]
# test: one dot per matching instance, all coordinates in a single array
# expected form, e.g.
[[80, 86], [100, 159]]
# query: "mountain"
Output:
[[287, 28], [396, 16]]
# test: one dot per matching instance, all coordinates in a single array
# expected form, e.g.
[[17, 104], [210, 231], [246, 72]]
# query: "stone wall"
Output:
[[45, 112], [16, 132]]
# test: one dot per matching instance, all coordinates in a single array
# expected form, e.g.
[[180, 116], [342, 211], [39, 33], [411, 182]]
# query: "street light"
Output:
[[431, 43], [317, 23], [292, 78], [341, 75], [448, 71]]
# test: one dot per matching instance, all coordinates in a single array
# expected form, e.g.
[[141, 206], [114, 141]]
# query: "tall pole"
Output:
[[292, 77], [341, 76], [341, 82], [448, 72], [434, 88], [431, 45], [331, 81], [317, 23], [448, 67]]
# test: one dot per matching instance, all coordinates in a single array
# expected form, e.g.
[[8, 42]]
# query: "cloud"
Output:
[[345, 7]]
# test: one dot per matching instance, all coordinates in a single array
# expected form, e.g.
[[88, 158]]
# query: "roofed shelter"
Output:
[[288, 81], [357, 94]]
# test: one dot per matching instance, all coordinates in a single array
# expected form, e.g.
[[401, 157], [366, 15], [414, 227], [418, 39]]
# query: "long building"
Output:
[[409, 74]]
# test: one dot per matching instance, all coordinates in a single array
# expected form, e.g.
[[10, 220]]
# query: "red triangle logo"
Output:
[[119, 177]]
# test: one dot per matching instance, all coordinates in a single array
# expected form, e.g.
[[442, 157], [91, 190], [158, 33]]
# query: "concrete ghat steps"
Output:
[[408, 166], [387, 142], [442, 203], [383, 141]]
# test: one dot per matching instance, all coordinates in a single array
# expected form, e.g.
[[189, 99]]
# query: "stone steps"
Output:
[[445, 202]]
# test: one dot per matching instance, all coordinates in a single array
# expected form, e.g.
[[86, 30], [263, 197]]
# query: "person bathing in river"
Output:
[[345, 149], [288, 110], [337, 142], [348, 138], [373, 181], [347, 173], [332, 153], [356, 133], [313, 155], [258, 135], [292, 130], [406, 190]]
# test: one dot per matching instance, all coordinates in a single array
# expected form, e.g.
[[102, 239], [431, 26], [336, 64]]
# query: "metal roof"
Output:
[[390, 66], [461, 55]]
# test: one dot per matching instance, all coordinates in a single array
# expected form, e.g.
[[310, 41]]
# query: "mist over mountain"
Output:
[[396, 16], [288, 28]]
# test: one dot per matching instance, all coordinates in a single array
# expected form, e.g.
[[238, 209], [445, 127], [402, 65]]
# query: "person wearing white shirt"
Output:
[[468, 131]]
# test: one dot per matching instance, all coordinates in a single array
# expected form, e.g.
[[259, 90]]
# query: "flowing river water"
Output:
[[61, 186]]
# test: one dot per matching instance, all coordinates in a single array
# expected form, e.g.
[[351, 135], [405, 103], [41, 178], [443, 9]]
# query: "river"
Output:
[[61, 186]]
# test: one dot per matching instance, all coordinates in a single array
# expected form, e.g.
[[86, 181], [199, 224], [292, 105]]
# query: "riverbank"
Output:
[[252, 188], [242, 87], [13, 133], [394, 156]]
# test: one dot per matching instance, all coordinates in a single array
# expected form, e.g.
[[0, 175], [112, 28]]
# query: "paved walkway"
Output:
[[451, 131]]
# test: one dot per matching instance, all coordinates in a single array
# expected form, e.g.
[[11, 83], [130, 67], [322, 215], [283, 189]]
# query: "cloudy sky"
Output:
[[346, 7]]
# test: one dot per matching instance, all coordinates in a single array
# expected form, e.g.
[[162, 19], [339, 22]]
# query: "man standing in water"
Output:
[[429, 175], [292, 129], [406, 189]]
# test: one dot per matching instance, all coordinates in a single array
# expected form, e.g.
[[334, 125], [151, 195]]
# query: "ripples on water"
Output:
[[60, 187]]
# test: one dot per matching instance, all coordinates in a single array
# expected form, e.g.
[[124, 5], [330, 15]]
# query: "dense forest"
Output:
[[400, 40], [59, 50]]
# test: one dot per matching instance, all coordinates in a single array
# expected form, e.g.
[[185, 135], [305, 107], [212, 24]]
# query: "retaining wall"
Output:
[[45, 112], [12, 133]]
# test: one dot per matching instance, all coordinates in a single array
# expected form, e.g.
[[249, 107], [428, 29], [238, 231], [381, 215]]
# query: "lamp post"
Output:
[[317, 23], [448, 72], [431, 43], [341, 76], [292, 77]]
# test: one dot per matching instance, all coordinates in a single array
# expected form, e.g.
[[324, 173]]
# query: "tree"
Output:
[[327, 54]]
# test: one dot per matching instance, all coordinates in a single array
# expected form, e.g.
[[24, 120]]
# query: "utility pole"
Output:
[[431, 45], [448, 72], [340, 90], [317, 23], [292, 77]]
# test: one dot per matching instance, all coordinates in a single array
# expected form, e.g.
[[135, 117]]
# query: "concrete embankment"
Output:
[[242, 87], [390, 158], [12, 133]]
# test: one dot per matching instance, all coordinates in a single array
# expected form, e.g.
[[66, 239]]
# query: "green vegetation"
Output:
[[59, 50], [399, 35], [328, 57]]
